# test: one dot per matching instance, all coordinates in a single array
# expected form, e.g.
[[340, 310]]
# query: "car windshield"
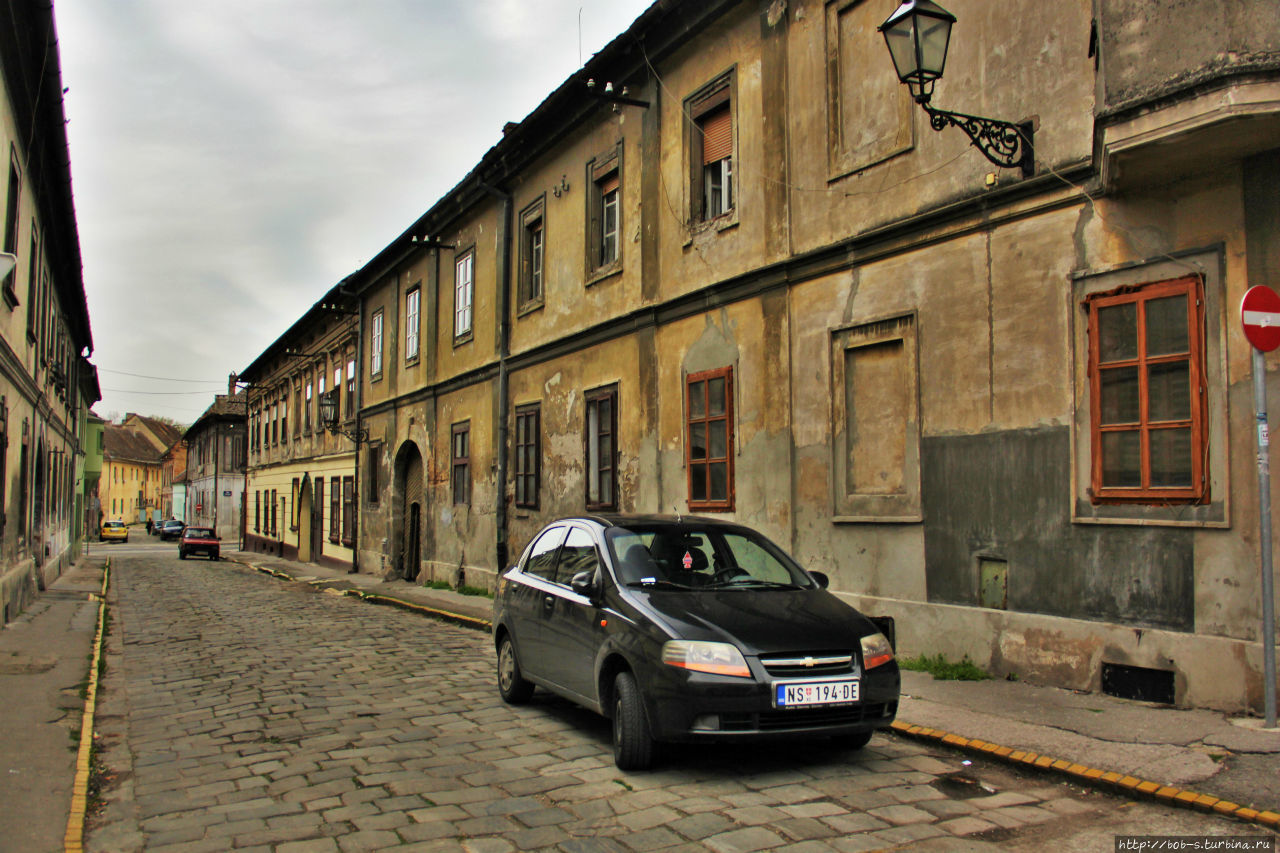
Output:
[[691, 555]]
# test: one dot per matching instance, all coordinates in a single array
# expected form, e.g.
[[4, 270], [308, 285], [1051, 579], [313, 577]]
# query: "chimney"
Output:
[[231, 384]]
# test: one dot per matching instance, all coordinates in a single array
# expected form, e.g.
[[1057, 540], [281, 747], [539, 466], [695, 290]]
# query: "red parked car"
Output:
[[198, 540]]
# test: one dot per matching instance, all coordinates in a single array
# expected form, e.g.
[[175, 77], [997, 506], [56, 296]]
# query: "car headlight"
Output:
[[876, 650], [715, 658]]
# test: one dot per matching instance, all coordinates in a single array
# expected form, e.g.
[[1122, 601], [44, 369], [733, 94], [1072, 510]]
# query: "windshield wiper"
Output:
[[751, 582], [654, 583]]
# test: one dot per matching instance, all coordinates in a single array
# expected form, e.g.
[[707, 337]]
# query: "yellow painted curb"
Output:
[[1079, 773], [73, 839]]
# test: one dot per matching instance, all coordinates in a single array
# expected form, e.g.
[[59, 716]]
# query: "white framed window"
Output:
[[412, 313], [375, 344], [463, 293]]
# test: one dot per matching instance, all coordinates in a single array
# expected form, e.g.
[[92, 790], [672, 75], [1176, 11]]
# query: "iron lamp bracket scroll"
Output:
[[1004, 143]]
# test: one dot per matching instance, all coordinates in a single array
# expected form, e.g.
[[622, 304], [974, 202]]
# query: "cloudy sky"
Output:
[[233, 160]]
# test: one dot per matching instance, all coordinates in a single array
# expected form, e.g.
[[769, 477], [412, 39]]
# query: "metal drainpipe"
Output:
[[355, 483], [504, 344]]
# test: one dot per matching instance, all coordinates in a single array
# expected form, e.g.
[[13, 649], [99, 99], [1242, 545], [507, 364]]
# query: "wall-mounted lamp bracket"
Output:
[[1004, 143]]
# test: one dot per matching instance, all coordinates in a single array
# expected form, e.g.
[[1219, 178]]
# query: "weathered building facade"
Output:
[[44, 321], [216, 459], [1011, 410], [301, 482]]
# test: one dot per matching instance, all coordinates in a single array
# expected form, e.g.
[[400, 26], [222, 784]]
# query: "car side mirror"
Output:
[[584, 584], [821, 578]]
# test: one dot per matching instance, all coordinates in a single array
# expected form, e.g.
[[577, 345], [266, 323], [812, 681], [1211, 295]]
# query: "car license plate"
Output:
[[802, 694]]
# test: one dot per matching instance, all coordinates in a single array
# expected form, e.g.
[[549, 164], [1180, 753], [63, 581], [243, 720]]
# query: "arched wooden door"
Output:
[[411, 489], [304, 521]]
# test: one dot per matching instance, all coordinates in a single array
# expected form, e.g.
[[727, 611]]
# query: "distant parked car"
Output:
[[114, 531], [688, 629], [171, 529], [198, 540]]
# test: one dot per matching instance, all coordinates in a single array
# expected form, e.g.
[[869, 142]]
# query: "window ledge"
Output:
[[463, 339], [604, 273], [723, 222], [10, 296], [529, 307]]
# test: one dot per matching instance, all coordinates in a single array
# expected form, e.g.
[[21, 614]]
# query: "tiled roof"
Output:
[[121, 442]]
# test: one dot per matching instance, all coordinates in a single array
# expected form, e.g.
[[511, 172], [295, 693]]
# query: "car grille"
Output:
[[813, 663], [807, 718]]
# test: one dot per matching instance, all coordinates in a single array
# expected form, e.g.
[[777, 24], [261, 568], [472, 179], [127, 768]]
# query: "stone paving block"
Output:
[[593, 810], [948, 808], [913, 793], [929, 764], [851, 824], [440, 829], [744, 840], [1022, 814], [1002, 799], [492, 825], [180, 835], [1067, 806], [903, 835], [901, 815], [658, 838], [700, 826], [637, 821], [392, 821], [803, 829], [756, 815], [505, 806], [314, 845], [966, 825], [359, 842], [820, 808]]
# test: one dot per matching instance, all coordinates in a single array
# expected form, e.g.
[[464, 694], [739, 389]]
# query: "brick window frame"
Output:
[[533, 256], [348, 511], [464, 291], [375, 345], [1107, 369], [705, 418], [335, 509], [460, 463], [600, 448], [528, 453], [412, 325]]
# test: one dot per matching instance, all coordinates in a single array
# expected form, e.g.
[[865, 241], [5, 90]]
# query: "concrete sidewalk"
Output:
[[44, 660], [1192, 758]]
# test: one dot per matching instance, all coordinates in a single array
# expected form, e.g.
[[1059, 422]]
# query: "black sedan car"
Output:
[[171, 529], [688, 629]]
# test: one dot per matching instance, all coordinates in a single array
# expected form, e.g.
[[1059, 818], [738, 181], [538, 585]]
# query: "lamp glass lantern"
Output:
[[917, 34], [328, 411]]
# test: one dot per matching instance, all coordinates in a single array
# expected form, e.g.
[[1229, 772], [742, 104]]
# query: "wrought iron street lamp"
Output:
[[329, 418], [917, 35]]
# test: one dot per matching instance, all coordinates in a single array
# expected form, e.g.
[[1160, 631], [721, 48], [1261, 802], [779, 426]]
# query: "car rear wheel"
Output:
[[512, 687], [632, 742]]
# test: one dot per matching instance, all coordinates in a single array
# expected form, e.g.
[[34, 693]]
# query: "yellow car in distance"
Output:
[[114, 531]]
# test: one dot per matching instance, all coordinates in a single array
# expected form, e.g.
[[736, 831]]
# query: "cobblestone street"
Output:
[[240, 712]]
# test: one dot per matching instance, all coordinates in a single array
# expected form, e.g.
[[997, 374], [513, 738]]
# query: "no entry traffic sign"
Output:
[[1260, 313]]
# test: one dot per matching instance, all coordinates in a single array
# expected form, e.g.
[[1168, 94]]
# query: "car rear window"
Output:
[[199, 533]]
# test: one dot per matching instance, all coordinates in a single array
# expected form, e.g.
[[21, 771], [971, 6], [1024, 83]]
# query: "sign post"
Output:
[[1260, 314]]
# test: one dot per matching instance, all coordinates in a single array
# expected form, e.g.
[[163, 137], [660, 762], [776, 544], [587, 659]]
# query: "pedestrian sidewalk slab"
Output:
[[1193, 758], [44, 660]]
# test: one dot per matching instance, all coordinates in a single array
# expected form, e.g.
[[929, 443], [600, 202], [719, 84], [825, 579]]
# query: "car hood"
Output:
[[762, 621]]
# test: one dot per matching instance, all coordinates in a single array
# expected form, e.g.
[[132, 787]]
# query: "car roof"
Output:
[[616, 519]]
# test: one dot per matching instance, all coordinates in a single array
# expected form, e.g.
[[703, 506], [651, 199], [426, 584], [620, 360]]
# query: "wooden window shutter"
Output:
[[717, 136]]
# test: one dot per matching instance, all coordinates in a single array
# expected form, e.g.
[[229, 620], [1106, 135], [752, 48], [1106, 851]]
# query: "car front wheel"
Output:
[[632, 743], [512, 687], [213, 555], [853, 742], [182, 555]]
